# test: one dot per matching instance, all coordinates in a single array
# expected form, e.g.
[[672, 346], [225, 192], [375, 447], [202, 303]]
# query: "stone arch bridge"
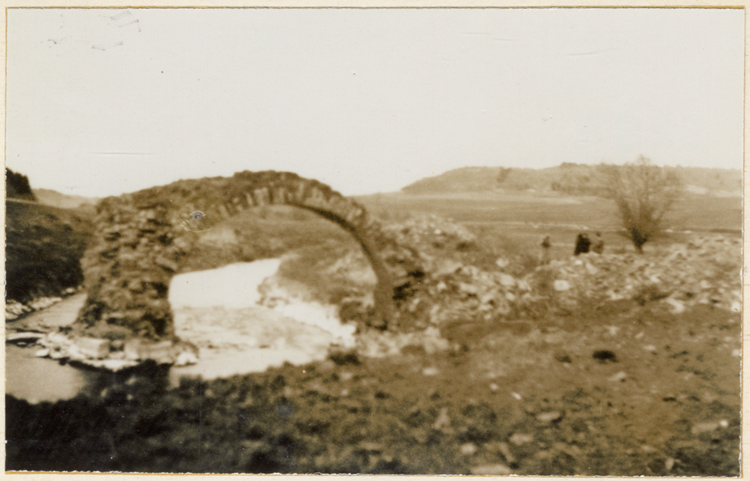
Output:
[[141, 238]]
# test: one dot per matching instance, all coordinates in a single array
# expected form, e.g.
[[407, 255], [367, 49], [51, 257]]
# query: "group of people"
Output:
[[584, 245]]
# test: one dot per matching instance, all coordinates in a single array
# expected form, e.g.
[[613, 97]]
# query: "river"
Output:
[[221, 311]]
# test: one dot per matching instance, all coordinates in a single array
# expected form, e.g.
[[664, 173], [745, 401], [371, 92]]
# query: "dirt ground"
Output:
[[631, 391]]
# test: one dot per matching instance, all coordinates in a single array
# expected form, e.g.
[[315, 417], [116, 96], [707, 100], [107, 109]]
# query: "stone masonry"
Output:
[[142, 237]]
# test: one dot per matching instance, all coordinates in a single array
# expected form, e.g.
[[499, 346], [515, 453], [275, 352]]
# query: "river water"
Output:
[[221, 312]]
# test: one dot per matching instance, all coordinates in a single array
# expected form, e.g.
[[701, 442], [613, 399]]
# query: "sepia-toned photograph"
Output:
[[458, 241]]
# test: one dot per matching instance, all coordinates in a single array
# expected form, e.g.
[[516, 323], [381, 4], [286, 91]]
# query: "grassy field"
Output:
[[516, 222]]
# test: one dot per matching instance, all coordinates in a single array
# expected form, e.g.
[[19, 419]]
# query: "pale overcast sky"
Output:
[[101, 102]]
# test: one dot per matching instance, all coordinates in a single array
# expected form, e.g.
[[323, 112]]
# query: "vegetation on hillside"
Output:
[[43, 250], [17, 186], [43, 244]]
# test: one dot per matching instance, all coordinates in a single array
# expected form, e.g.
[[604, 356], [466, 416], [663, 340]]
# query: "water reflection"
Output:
[[43, 380]]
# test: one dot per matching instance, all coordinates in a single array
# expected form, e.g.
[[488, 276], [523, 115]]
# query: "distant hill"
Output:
[[63, 201], [567, 179]]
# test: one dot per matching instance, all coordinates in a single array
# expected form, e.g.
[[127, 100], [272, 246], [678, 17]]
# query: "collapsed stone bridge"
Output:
[[141, 239]]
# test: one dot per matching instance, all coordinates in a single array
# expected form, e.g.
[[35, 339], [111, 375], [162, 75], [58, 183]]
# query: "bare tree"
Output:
[[643, 194]]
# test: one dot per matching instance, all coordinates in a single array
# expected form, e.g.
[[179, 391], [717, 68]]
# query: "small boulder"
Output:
[[92, 348], [549, 417], [604, 356], [708, 427], [469, 449], [519, 439]]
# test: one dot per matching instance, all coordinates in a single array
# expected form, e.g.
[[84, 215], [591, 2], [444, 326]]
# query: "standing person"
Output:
[[546, 244], [582, 244], [598, 246]]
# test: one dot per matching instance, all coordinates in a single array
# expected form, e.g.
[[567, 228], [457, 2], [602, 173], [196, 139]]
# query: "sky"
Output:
[[106, 101]]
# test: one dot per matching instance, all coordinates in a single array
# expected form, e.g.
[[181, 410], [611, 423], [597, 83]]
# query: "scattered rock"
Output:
[[604, 356], [549, 417], [42, 353], [113, 365], [92, 348], [561, 285], [186, 358], [705, 427], [371, 447], [162, 352], [504, 449], [519, 439], [18, 337], [468, 449], [507, 281], [678, 307]]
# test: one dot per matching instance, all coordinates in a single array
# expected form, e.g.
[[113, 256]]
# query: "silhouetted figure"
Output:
[[546, 244], [582, 244], [598, 245]]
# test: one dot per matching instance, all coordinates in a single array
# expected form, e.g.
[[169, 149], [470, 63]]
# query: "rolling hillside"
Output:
[[44, 241], [566, 179]]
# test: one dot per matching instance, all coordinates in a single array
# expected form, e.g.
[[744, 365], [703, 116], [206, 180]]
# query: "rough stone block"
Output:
[[132, 349], [139, 350], [166, 263], [93, 348], [161, 352]]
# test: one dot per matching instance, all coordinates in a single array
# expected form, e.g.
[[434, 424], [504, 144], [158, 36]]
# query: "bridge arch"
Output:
[[141, 238]]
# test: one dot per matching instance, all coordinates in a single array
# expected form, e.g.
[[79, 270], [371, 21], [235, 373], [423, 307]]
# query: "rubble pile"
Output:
[[703, 271], [113, 355], [447, 286], [453, 289], [430, 233]]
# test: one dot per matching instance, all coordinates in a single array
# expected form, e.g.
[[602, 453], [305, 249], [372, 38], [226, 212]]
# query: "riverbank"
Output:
[[637, 391]]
